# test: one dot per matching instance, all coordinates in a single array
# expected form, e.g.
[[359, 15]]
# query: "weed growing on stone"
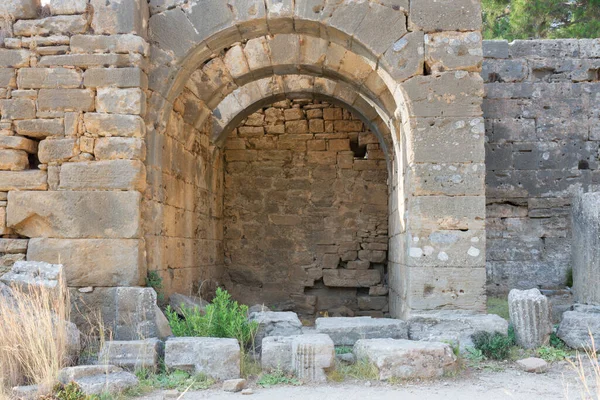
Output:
[[343, 350], [277, 377], [72, 391], [495, 346], [223, 318], [154, 281], [249, 366]]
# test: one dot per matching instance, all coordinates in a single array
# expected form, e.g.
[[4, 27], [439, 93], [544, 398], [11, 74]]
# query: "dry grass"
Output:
[[34, 342], [588, 372]]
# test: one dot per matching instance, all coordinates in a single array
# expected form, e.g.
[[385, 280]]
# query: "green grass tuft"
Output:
[[343, 350], [498, 306], [277, 377]]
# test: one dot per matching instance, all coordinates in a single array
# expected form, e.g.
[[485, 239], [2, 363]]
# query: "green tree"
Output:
[[541, 19]]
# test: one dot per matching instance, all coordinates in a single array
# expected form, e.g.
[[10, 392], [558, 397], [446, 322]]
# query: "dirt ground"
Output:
[[494, 383]]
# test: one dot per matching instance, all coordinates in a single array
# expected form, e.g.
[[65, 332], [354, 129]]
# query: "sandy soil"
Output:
[[559, 382]]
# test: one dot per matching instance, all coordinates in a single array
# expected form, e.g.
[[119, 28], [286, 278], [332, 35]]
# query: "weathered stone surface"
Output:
[[66, 100], [48, 78], [276, 353], [234, 385], [13, 160], [579, 326], [351, 277], [121, 101], [272, 323], [103, 175], [114, 124], [585, 247], [14, 58], [447, 15], [20, 9], [18, 143], [123, 16], [40, 128], [67, 7], [447, 51], [312, 357], [98, 379], [115, 77], [93, 262], [214, 357], [177, 301], [120, 148], [453, 326], [57, 150], [531, 317], [68, 24], [90, 60], [26, 274], [131, 354], [533, 364], [113, 44], [13, 246], [405, 359], [17, 109], [75, 214], [23, 180], [346, 331]]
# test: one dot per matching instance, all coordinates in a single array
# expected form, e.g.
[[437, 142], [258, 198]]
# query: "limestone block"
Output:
[[113, 44], [405, 359], [213, 17], [3, 229], [53, 150], [272, 323], [585, 247], [369, 33], [579, 326], [495, 49], [7, 78], [531, 317], [14, 58], [351, 278], [505, 70], [95, 380], [214, 357], [589, 48], [71, 214], [18, 143], [67, 24], [439, 212], [312, 357], [20, 9], [447, 179], [405, 58], [450, 248], [120, 16], [120, 148], [66, 100], [448, 51], [67, 7], [114, 125], [13, 246], [93, 262], [450, 94], [445, 15], [103, 175], [453, 326], [115, 77], [48, 78], [532, 364], [358, 264], [172, 30], [91, 60], [121, 101], [346, 331], [13, 160], [131, 354], [276, 354], [40, 128], [13, 109], [28, 274], [561, 48], [23, 180], [179, 302]]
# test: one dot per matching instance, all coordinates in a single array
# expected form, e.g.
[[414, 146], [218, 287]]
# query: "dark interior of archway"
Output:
[[305, 211]]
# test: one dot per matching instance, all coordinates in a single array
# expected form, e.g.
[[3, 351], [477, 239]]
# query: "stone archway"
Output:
[[125, 130]]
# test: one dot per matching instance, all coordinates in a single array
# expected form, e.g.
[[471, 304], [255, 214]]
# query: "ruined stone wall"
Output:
[[542, 110], [306, 211]]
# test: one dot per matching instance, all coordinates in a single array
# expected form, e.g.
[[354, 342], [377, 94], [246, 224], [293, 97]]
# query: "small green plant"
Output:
[[70, 391], [557, 342], [493, 345], [570, 277], [177, 379], [474, 355], [277, 377], [454, 346], [223, 318], [551, 354], [343, 350], [154, 281]]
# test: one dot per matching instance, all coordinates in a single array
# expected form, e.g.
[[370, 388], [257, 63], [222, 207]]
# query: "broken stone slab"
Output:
[[131, 354], [276, 354], [272, 323], [531, 317], [27, 274], [345, 331], [533, 364], [98, 379], [453, 326], [579, 326], [215, 357], [179, 301], [234, 385], [312, 357], [406, 359]]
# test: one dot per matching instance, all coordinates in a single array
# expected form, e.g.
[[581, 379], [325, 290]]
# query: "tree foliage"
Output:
[[541, 19]]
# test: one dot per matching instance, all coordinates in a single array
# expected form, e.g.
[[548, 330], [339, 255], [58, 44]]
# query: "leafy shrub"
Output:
[[551, 354], [557, 342], [223, 318], [71, 391], [493, 345], [154, 281]]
